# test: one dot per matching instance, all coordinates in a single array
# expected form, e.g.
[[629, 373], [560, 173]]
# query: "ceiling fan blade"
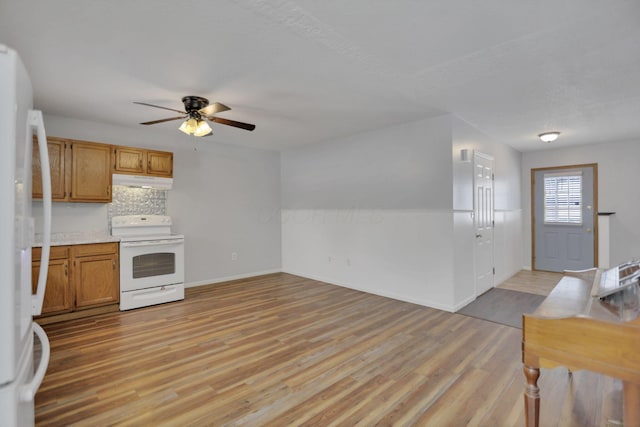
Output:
[[214, 108], [153, 122], [158, 106], [233, 123]]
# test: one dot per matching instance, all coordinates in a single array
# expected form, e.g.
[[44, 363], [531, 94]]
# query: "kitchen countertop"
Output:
[[77, 238]]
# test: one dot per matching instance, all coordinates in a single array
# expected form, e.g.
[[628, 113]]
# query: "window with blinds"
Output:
[[563, 198]]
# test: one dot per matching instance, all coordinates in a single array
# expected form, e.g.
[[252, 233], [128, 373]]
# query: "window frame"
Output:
[[563, 210]]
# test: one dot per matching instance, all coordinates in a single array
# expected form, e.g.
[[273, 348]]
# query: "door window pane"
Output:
[[563, 198]]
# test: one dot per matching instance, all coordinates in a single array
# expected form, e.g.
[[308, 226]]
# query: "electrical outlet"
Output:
[[234, 256]]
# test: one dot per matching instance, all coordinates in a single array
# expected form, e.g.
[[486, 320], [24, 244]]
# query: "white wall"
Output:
[[508, 212], [618, 190], [225, 198], [373, 212], [398, 167]]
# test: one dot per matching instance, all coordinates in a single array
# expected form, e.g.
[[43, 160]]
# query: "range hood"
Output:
[[154, 182]]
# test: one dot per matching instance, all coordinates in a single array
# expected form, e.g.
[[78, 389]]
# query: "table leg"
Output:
[[531, 396], [631, 404]]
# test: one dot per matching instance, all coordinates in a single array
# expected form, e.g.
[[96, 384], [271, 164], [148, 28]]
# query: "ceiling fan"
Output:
[[198, 111]]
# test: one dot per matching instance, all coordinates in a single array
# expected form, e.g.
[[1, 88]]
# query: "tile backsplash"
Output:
[[137, 201]]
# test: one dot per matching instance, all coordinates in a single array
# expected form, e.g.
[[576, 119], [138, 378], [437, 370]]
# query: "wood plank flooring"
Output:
[[533, 282], [282, 350]]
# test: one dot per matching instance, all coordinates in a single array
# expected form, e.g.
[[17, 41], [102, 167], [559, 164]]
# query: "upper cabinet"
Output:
[[90, 172], [160, 163], [138, 161], [129, 160], [57, 155], [80, 171]]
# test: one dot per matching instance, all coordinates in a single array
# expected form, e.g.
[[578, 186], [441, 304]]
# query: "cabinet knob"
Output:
[[113, 264], [66, 268]]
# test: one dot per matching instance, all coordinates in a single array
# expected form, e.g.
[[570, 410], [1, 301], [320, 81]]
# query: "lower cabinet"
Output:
[[58, 297], [80, 277], [96, 274]]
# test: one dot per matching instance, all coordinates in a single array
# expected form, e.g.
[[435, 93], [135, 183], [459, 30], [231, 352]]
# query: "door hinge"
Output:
[[494, 271], [493, 177]]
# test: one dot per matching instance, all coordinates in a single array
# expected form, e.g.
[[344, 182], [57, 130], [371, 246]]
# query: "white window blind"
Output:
[[563, 198]]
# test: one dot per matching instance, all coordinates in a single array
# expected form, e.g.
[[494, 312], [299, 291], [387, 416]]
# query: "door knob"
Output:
[[588, 230], [478, 236]]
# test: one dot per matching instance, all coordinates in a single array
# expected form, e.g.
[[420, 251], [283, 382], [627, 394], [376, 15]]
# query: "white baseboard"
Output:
[[463, 303], [527, 267], [399, 297], [391, 295], [229, 278]]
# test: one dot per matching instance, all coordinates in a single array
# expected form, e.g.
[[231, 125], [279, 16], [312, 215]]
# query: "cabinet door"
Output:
[[56, 161], [96, 280], [160, 163], [129, 160], [90, 172], [57, 297]]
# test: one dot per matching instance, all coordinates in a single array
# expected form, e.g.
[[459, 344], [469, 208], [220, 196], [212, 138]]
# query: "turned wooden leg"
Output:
[[531, 397], [631, 404]]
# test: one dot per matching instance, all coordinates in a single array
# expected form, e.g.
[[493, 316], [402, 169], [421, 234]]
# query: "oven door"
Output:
[[151, 263]]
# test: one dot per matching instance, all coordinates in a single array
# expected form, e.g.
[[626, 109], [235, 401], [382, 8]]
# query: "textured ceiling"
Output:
[[309, 71]]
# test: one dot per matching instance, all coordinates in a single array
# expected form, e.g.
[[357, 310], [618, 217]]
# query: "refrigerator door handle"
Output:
[[28, 391], [36, 121]]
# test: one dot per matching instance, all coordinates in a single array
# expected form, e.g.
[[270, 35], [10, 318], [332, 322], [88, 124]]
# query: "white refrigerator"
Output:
[[20, 375]]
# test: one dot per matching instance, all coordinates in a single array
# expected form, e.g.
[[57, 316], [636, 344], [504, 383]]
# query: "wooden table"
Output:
[[573, 329]]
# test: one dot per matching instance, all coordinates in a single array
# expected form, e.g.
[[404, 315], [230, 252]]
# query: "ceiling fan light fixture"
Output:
[[549, 136], [197, 112], [189, 126], [183, 127], [202, 129]]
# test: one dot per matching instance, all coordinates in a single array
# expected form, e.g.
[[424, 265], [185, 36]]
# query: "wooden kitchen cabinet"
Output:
[[80, 171], [129, 160], [96, 274], [90, 172], [80, 277], [57, 150], [160, 163], [138, 161], [58, 297]]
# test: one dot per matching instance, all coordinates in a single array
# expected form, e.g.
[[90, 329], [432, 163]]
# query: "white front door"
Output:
[[483, 221]]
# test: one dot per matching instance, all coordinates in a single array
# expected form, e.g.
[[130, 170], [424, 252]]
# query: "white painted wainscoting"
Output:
[[401, 254]]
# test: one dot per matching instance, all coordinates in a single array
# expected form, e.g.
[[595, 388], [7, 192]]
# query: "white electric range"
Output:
[[151, 260]]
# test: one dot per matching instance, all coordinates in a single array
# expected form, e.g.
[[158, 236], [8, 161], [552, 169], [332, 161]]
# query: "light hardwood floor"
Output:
[[282, 350], [533, 282]]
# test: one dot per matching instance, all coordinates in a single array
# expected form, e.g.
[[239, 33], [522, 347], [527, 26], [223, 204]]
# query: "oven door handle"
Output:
[[152, 243]]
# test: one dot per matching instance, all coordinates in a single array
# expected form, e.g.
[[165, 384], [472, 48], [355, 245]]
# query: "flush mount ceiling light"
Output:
[[549, 136]]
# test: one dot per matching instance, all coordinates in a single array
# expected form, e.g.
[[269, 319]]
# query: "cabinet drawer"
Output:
[[56, 252], [95, 249]]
